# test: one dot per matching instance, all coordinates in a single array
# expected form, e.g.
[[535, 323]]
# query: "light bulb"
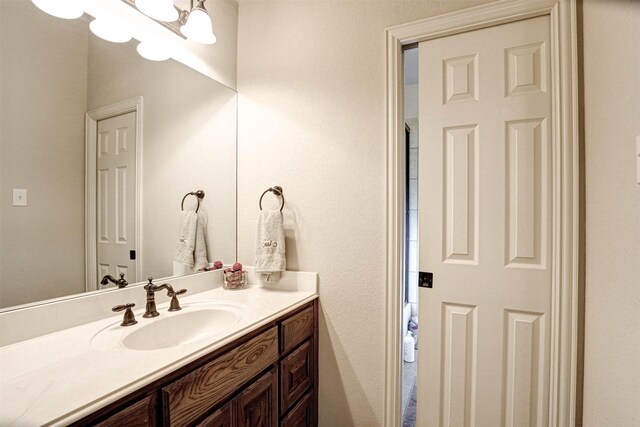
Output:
[[160, 10], [152, 51], [59, 8], [198, 27], [109, 30]]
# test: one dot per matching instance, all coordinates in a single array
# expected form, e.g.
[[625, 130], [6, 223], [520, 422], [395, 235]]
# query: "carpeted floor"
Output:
[[409, 416]]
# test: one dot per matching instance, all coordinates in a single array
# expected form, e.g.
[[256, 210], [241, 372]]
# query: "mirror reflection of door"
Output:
[[116, 196]]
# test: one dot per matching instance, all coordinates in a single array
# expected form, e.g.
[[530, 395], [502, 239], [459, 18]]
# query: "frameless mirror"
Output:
[[98, 148]]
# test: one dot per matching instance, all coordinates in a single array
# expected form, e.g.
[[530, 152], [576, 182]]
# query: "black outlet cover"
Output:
[[425, 279]]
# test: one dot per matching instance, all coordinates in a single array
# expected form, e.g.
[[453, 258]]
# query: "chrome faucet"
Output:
[[121, 283], [151, 289]]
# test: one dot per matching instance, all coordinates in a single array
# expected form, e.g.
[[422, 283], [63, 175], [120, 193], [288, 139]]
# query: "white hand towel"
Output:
[[187, 239], [200, 250], [192, 248], [270, 251]]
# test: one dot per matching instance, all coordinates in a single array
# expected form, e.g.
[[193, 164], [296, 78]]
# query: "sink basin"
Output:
[[194, 322]]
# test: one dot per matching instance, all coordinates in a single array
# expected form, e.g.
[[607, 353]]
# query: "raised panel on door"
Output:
[[257, 406], [484, 215], [296, 375]]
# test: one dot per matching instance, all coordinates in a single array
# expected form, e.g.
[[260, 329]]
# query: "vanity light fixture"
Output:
[[160, 10], [152, 51], [64, 9], [109, 30], [198, 27]]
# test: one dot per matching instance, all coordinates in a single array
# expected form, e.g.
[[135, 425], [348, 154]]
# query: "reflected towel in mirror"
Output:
[[192, 247]]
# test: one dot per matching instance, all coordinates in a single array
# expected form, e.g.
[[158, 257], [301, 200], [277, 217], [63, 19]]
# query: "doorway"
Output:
[[409, 306], [549, 205], [113, 192]]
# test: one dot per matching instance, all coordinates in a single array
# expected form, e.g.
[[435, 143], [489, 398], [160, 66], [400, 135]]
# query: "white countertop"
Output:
[[59, 378]]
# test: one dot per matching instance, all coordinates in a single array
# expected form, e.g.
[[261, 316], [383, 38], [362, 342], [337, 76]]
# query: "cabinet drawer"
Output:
[[296, 329], [296, 375], [301, 415], [139, 414], [257, 406], [188, 398]]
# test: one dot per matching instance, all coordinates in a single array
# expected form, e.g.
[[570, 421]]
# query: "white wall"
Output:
[[612, 122], [311, 78], [43, 75]]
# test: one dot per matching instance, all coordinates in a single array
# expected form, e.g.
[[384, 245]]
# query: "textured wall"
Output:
[[311, 78], [611, 122], [43, 76]]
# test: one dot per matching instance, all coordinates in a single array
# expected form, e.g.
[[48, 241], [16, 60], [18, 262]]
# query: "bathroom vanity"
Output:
[[266, 376], [259, 368]]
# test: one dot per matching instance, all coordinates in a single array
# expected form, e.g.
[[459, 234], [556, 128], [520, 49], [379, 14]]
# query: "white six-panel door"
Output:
[[485, 218], [116, 196]]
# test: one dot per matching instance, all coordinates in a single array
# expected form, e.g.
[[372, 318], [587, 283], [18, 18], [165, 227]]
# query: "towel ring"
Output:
[[199, 195], [277, 190]]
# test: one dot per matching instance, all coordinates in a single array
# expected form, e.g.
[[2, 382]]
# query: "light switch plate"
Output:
[[638, 159], [19, 197]]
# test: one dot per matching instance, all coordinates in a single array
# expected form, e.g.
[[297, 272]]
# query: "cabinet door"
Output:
[[257, 406], [296, 375], [221, 418], [301, 415]]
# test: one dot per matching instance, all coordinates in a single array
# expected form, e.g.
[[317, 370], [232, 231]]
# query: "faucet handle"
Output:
[[150, 284], [174, 305], [129, 318]]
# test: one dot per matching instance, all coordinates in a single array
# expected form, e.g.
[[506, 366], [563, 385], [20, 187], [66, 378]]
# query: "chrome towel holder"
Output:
[[199, 194], [277, 190]]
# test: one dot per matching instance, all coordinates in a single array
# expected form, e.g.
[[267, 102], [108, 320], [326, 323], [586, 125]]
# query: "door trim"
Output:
[[565, 189], [92, 119]]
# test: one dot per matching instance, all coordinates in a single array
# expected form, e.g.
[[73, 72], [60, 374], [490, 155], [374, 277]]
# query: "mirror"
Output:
[[98, 147]]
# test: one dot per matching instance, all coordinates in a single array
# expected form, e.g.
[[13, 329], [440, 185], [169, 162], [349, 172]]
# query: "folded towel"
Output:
[[270, 251], [192, 248], [200, 250]]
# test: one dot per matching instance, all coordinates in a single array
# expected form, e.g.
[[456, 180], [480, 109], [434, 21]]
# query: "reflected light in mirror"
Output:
[[109, 30], [199, 27], [153, 51], [161, 10], [64, 9]]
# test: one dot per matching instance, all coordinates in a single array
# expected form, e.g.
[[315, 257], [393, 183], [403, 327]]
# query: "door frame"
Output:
[[91, 130], [565, 189]]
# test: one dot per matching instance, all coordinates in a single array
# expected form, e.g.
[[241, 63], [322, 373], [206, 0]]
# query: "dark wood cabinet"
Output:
[[302, 414], [296, 375], [223, 417], [193, 395], [266, 378], [257, 406], [141, 413], [296, 329]]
